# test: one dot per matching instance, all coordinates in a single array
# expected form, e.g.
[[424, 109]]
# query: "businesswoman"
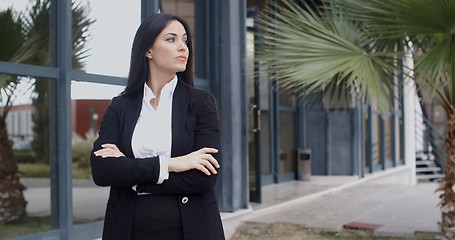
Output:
[[159, 141]]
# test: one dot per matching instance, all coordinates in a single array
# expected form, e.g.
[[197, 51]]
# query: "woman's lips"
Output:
[[181, 58]]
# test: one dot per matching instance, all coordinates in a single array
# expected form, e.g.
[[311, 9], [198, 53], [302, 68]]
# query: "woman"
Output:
[[158, 143]]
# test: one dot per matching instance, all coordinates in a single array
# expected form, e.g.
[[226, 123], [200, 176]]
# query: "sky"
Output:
[[109, 47]]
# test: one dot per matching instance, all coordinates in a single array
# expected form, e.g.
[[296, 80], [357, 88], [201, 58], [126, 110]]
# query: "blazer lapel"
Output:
[[179, 109]]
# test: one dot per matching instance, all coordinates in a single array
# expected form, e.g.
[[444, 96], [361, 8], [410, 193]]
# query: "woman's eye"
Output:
[[185, 41], [170, 39]]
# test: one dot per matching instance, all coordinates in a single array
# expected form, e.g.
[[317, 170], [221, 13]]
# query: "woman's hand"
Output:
[[201, 160], [109, 150]]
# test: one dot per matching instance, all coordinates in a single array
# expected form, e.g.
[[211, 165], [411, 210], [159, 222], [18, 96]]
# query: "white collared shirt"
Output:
[[152, 135]]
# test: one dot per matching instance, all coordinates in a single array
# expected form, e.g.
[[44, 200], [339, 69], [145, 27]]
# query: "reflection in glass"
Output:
[[400, 141], [288, 147], [376, 140], [21, 148], [181, 8], [88, 104], [388, 140], [109, 38], [24, 32], [287, 98], [265, 143]]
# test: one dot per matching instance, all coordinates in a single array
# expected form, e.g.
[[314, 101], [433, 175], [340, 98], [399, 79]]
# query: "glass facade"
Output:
[[388, 141], [24, 38], [40, 114], [109, 36], [383, 140], [376, 142], [288, 144], [282, 123], [27, 128], [287, 133]]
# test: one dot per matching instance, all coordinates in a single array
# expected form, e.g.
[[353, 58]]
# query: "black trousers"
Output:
[[157, 217]]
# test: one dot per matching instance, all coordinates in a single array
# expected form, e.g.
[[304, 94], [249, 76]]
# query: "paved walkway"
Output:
[[325, 203], [399, 210], [89, 200]]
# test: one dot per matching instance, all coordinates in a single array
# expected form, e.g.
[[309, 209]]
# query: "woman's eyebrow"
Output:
[[174, 34]]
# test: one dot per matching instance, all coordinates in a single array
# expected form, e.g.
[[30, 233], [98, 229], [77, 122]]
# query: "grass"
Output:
[[27, 226], [42, 170], [290, 231], [36, 170]]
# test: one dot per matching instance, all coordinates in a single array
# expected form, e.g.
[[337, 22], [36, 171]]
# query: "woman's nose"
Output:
[[182, 46]]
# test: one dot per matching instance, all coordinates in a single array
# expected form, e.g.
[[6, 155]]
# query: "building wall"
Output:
[[19, 125], [87, 115]]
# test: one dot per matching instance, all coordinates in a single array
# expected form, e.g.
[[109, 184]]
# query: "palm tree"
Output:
[[12, 202], [39, 25], [349, 49], [25, 39]]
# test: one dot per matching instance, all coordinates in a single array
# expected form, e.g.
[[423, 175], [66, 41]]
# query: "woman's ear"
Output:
[[148, 54]]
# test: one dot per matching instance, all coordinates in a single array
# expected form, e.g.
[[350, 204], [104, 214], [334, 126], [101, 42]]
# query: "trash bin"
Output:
[[304, 164]]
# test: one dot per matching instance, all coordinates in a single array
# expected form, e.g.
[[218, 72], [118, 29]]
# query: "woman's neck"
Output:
[[157, 81]]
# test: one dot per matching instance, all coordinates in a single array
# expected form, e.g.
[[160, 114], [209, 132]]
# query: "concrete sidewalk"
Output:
[[397, 210]]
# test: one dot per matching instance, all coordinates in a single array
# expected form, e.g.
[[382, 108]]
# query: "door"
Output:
[[254, 142]]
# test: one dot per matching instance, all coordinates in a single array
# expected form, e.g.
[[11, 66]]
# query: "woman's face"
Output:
[[169, 52]]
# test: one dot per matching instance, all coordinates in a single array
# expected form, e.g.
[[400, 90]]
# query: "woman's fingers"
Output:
[[109, 145], [208, 166], [211, 160], [208, 150], [103, 153], [205, 151], [202, 168], [109, 150], [201, 160]]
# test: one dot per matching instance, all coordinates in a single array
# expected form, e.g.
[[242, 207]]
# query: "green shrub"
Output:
[[25, 156], [34, 170], [82, 148], [81, 155], [80, 158]]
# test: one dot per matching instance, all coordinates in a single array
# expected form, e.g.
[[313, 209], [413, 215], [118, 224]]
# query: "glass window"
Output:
[[88, 90], [287, 98], [376, 142], [401, 141], [265, 143], [288, 145], [26, 129], [110, 36], [388, 135], [366, 135], [181, 8], [24, 33], [87, 110]]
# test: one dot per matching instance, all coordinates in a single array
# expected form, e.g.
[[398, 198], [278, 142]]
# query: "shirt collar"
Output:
[[167, 91]]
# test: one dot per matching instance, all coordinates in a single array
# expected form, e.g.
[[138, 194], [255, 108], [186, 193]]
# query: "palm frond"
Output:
[[429, 25], [11, 37], [80, 35], [313, 49]]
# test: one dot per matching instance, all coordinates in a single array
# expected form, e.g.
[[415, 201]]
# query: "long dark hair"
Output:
[[143, 40]]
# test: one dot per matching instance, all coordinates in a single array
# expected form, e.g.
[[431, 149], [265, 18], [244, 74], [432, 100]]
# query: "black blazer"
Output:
[[195, 124]]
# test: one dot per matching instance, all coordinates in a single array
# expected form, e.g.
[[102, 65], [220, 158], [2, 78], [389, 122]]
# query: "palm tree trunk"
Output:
[[447, 203], [12, 202]]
